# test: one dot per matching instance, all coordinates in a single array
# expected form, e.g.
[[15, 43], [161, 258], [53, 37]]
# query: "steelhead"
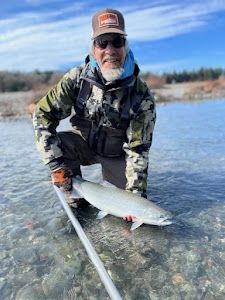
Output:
[[120, 203]]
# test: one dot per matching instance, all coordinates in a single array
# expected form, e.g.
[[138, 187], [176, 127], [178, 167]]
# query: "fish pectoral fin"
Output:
[[101, 214], [108, 184], [136, 224]]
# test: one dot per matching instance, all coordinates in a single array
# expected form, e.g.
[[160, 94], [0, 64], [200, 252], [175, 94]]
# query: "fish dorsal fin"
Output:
[[136, 224], [107, 184], [92, 173], [101, 214]]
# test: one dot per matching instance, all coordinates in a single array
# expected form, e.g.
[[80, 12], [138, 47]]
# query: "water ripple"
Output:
[[42, 258]]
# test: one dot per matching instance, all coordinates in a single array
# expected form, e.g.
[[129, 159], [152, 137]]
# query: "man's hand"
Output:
[[62, 179], [130, 218]]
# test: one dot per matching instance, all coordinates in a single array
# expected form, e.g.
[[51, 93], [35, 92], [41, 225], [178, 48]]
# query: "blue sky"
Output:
[[164, 35]]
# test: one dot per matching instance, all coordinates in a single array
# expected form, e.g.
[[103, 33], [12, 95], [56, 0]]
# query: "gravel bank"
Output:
[[16, 103]]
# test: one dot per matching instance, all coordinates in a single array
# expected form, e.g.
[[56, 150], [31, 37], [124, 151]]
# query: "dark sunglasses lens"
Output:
[[116, 42], [101, 43]]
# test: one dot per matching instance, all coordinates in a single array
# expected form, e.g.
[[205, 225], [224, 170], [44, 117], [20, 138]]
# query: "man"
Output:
[[114, 113]]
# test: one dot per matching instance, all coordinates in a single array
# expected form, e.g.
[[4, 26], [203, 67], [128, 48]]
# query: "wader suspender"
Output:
[[105, 141], [126, 109], [84, 93]]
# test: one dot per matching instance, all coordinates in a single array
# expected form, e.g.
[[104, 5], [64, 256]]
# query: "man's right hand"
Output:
[[62, 178]]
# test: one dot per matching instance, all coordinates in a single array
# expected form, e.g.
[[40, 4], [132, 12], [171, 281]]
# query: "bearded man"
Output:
[[113, 114]]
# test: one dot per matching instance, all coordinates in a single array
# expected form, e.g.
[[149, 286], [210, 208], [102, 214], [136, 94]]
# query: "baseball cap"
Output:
[[108, 21]]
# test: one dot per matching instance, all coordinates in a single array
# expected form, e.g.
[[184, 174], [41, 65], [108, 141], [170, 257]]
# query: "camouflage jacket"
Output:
[[105, 100]]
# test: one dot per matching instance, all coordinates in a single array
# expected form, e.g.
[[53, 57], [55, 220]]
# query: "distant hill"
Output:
[[18, 81], [19, 92]]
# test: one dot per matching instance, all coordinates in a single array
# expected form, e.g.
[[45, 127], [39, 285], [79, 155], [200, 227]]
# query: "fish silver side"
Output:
[[120, 203]]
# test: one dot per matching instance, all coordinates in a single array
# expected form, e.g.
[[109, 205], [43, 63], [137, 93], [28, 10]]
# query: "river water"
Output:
[[41, 256]]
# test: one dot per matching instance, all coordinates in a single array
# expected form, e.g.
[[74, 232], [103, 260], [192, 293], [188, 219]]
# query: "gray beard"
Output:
[[112, 74]]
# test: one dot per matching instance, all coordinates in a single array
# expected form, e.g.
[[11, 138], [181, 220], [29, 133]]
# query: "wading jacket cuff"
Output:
[[56, 164], [62, 179]]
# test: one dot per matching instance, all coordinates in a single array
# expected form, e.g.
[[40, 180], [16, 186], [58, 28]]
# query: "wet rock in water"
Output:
[[153, 257], [140, 293], [2, 283], [38, 237], [179, 248], [38, 232], [218, 285], [193, 264], [154, 295], [177, 279], [74, 266], [24, 255], [31, 293], [93, 290], [167, 292], [46, 254], [17, 233], [40, 240], [4, 199], [73, 293], [7, 266], [5, 290], [56, 283], [23, 278], [209, 295], [161, 243], [139, 259], [188, 291], [193, 257], [157, 277], [3, 254], [57, 222]]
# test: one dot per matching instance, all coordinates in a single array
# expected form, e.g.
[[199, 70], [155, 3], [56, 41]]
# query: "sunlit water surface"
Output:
[[42, 258]]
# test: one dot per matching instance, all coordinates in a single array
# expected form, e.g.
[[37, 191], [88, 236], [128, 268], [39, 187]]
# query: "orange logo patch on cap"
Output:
[[108, 19]]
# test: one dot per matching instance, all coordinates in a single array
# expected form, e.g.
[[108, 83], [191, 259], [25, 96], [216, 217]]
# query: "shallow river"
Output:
[[41, 257]]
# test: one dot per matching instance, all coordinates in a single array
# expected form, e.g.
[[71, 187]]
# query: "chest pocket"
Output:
[[103, 140]]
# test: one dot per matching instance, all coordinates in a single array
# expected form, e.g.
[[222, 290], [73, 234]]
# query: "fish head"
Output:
[[157, 217]]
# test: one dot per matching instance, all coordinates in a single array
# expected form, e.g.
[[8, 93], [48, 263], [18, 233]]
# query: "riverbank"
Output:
[[191, 91], [21, 103]]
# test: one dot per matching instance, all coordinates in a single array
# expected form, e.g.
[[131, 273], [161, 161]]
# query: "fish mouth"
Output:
[[165, 221]]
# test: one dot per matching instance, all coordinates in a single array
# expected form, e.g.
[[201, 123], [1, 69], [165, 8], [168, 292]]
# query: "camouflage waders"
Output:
[[113, 119], [76, 152]]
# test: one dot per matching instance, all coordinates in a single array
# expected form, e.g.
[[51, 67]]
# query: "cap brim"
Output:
[[108, 30]]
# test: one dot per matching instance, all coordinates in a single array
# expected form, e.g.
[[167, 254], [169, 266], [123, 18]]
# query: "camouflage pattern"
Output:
[[104, 107], [52, 108]]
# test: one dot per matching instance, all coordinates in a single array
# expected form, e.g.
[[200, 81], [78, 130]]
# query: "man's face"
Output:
[[109, 51]]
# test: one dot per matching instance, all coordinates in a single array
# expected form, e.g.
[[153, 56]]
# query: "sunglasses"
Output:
[[116, 42]]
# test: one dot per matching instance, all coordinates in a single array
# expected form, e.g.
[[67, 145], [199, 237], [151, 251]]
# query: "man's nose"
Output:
[[110, 48]]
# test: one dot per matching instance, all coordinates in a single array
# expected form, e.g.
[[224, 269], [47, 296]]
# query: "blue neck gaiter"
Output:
[[128, 66]]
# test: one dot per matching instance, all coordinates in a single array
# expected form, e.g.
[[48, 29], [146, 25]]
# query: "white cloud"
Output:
[[40, 2], [38, 41], [46, 46], [170, 20]]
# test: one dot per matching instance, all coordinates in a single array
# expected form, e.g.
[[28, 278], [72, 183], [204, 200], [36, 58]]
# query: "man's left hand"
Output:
[[130, 218]]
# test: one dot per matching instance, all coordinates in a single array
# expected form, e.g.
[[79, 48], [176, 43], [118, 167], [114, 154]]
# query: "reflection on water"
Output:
[[42, 258]]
